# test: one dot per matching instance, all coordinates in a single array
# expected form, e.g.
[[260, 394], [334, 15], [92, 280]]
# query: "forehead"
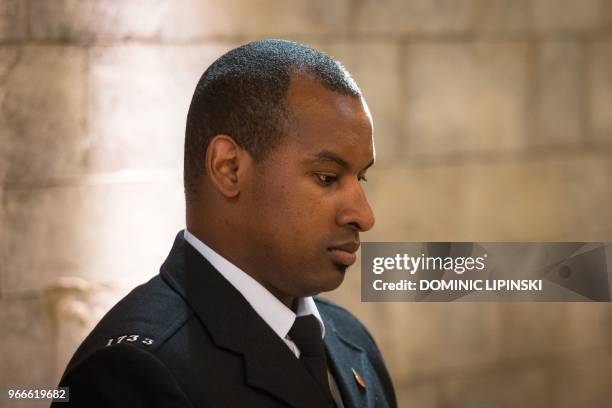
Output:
[[321, 119]]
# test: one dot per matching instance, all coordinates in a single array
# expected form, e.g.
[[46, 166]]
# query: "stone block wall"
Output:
[[493, 122]]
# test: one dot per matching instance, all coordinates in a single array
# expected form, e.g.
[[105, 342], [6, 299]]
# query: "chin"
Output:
[[341, 268], [335, 280]]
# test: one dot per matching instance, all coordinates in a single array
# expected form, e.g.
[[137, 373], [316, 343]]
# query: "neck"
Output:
[[216, 242]]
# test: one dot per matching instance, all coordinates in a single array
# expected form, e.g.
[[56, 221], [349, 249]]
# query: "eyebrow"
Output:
[[327, 156]]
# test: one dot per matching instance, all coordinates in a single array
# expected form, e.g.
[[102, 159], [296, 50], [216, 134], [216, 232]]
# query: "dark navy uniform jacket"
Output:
[[187, 338]]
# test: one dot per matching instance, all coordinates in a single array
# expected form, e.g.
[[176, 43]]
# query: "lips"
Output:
[[344, 253]]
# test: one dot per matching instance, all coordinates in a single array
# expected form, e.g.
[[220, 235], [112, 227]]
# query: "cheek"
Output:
[[293, 215], [271, 210], [302, 205]]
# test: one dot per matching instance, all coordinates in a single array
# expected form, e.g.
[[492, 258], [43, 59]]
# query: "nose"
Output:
[[355, 210]]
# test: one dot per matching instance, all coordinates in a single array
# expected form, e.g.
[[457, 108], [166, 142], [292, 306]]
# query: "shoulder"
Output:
[[144, 319], [118, 365], [123, 376]]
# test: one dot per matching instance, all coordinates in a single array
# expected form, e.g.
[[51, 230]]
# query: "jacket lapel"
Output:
[[233, 325], [272, 367], [344, 357]]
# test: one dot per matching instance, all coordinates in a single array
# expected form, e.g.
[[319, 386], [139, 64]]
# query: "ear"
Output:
[[226, 163]]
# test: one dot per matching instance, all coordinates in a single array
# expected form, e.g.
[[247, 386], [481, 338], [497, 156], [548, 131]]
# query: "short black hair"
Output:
[[242, 95]]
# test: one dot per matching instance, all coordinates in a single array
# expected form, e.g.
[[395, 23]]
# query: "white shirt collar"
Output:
[[278, 316]]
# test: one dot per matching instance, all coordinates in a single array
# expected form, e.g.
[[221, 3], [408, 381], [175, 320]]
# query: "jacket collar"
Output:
[[234, 325], [278, 316]]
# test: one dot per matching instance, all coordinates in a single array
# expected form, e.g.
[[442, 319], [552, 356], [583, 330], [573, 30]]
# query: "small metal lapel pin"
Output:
[[358, 378]]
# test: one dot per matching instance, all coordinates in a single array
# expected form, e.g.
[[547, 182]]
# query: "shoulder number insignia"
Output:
[[130, 338]]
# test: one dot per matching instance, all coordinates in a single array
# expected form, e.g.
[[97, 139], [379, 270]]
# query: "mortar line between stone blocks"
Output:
[[585, 64], [86, 88], [27, 20], [425, 38], [29, 294], [403, 136], [532, 96], [110, 178], [535, 153]]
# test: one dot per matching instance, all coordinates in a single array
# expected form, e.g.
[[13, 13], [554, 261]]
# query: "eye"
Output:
[[326, 179], [363, 178]]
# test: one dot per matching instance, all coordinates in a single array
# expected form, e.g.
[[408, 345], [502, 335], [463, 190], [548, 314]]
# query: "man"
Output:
[[278, 142]]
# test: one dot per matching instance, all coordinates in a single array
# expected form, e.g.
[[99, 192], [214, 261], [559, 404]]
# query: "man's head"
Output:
[[277, 143]]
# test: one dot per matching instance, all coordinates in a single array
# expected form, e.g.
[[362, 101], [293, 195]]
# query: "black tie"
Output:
[[306, 334]]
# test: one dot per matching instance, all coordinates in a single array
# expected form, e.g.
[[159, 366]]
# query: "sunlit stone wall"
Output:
[[493, 121]]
